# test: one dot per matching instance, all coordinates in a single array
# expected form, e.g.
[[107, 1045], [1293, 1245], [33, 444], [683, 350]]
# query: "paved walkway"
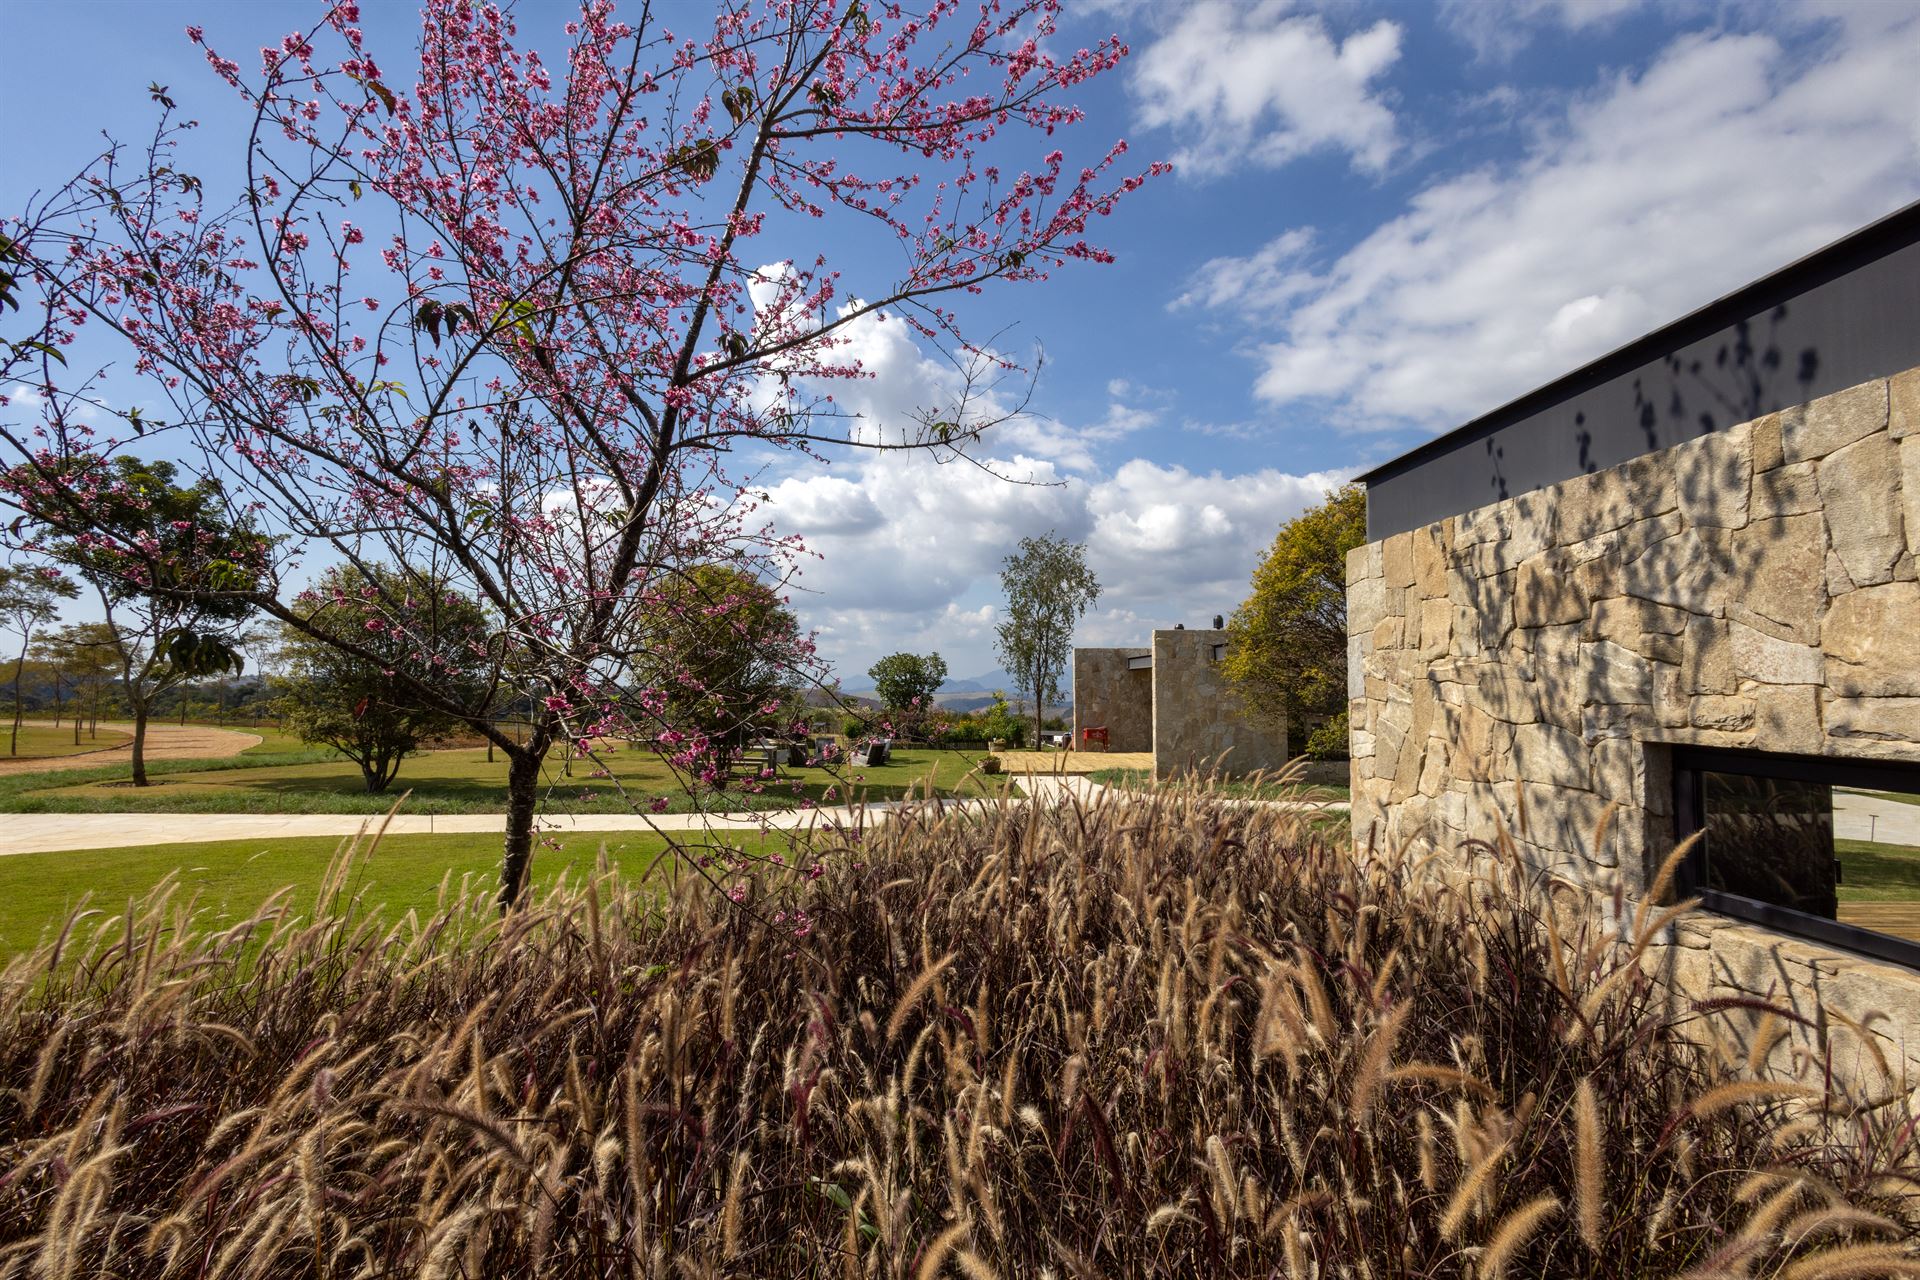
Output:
[[56, 832], [1865, 816], [164, 742]]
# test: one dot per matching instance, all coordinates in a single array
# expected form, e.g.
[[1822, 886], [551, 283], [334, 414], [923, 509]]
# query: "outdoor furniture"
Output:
[[1091, 734]]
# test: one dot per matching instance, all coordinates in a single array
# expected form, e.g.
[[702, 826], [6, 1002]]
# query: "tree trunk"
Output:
[[140, 711], [1039, 707], [19, 669], [523, 790]]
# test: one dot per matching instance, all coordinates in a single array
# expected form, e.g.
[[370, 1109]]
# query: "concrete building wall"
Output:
[[1753, 588], [1106, 692], [1198, 719]]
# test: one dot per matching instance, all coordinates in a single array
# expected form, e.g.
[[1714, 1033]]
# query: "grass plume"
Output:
[[1158, 1036]]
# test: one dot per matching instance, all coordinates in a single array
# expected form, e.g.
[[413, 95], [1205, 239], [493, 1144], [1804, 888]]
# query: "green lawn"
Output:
[[272, 741], [43, 740], [1873, 872], [1141, 780], [458, 781], [231, 878]]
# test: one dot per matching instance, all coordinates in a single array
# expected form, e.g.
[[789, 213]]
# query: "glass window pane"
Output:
[[1841, 853], [1772, 839], [1877, 837]]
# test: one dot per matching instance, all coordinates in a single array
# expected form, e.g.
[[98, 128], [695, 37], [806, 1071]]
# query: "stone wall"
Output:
[[1198, 720], [1527, 662], [1106, 693]]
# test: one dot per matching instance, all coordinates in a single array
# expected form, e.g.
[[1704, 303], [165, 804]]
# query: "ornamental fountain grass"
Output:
[[1151, 1036]]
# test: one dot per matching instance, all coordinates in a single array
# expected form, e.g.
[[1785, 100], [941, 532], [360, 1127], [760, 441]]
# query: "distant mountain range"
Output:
[[980, 684], [968, 693]]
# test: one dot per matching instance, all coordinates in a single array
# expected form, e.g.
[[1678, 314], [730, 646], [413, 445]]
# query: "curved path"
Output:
[[164, 742], [55, 832]]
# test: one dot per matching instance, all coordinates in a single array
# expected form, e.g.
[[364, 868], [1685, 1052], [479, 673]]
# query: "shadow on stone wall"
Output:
[[1525, 664]]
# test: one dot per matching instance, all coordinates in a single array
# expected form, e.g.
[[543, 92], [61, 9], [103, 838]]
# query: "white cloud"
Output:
[[1658, 192], [909, 546], [1499, 29], [1263, 85], [1167, 544]]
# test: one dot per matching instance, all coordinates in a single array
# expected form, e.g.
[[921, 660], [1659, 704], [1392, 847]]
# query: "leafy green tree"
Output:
[[906, 682], [1049, 589], [171, 565], [999, 722], [359, 707], [1287, 643], [721, 651], [30, 598]]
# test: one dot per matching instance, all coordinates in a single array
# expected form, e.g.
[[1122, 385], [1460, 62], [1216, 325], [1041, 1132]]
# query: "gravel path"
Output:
[[164, 742]]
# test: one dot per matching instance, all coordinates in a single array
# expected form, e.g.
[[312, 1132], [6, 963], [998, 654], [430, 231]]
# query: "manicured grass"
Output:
[[272, 741], [1878, 872], [230, 878], [44, 740], [1141, 780], [461, 781]]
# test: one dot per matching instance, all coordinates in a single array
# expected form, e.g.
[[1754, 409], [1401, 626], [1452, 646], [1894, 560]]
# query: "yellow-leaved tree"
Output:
[[1287, 643]]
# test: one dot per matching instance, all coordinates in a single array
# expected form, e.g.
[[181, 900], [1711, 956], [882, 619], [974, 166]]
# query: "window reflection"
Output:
[[1847, 854]]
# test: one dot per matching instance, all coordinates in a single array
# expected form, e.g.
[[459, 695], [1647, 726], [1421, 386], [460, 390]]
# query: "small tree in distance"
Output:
[[546, 355], [85, 655], [30, 598], [1287, 643], [361, 708], [1049, 589], [719, 662], [170, 565], [906, 683]]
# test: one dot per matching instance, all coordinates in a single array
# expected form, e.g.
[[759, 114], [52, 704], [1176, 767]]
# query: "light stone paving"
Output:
[[1876, 818], [24, 833], [54, 832]]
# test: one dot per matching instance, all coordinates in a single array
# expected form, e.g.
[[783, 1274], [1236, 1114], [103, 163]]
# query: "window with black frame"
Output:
[[1825, 848]]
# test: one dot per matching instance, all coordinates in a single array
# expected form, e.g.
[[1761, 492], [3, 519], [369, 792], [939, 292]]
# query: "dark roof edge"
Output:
[[1876, 240]]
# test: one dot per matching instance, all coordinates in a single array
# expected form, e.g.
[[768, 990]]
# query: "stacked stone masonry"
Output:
[[1524, 664], [1108, 693], [1179, 706], [1199, 721]]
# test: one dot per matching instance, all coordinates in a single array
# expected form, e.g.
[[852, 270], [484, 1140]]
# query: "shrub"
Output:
[[1154, 1036], [1329, 740]]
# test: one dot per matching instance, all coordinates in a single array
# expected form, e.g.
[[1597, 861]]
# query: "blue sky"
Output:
[[1385, 219]]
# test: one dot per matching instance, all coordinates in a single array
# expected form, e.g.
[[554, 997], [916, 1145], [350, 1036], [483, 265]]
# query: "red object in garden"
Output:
[[1092, 734]]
